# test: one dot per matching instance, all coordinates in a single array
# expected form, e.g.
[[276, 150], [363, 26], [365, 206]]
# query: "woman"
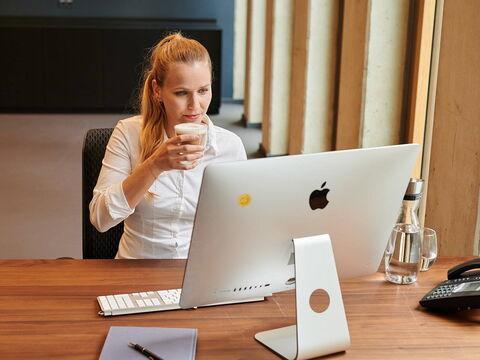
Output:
[[150, 177]]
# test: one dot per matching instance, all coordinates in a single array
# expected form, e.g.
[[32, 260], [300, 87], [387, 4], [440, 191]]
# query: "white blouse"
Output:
[[161, 224]]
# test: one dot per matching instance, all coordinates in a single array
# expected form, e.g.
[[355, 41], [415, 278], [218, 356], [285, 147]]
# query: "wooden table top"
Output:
[[48, 310]]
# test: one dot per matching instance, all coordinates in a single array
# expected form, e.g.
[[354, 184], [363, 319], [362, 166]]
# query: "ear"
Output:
[[157, 91]]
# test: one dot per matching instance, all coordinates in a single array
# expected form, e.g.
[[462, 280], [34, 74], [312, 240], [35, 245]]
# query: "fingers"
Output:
[[184, 138], [188, 157], [184, 161], [186, 148], [179, 153]]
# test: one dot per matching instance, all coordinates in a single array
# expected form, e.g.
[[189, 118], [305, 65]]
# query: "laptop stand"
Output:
[[315, 333]]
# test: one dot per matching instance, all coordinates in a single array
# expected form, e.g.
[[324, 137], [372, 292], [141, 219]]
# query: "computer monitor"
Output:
[[248, 213]]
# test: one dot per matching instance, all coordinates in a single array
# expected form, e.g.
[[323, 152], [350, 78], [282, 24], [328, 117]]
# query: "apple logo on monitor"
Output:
[[318, 198]]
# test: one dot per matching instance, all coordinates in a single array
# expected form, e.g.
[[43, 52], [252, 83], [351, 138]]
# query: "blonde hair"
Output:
[[174, 48]]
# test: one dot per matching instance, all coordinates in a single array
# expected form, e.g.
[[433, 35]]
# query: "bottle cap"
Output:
[[414, 189]]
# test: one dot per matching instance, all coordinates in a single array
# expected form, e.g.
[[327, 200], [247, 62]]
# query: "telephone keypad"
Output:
[[443, 297], [443, 290]]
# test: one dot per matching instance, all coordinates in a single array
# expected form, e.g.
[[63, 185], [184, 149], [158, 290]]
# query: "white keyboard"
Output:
[[122, 304], [139, 302]]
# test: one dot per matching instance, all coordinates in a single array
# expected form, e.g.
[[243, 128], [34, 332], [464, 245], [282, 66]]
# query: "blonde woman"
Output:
[[150, 177]]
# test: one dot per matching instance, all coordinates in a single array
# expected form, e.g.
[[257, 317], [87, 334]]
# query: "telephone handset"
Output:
[[457, 271], [460, 292]]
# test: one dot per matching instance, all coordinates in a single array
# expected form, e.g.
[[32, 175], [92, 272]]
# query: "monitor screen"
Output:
[[248, 213]]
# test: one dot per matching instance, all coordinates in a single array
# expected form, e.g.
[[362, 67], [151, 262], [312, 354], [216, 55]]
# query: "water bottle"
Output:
[[403, 254]]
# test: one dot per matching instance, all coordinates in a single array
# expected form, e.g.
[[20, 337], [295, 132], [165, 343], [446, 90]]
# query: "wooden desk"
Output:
[[48, 310]]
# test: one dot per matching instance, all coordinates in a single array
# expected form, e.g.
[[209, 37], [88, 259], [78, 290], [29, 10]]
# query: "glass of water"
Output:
[[403, 254], [429, 248]]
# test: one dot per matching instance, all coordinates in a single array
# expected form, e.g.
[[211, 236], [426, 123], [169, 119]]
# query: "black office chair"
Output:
[[96, 245]]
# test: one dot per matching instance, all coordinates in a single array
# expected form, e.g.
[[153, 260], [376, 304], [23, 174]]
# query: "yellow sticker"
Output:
[[244, 200]]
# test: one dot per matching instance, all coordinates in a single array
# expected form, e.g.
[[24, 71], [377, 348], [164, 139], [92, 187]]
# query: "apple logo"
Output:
[[318, 198]]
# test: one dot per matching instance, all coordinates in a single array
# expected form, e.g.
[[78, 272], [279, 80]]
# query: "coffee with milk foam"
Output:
[[193, 128]]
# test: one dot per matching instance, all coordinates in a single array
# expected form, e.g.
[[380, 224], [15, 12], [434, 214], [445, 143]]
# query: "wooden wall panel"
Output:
[[421, 61], [454, 176], [277, 72], [353, 64], [430, 116], [299, 76], [267, 78]]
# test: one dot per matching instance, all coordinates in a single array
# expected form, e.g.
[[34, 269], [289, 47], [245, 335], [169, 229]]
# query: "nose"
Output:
[[193, 102]]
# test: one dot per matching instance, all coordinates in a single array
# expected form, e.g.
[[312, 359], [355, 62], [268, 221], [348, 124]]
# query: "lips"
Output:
[[192, 117]]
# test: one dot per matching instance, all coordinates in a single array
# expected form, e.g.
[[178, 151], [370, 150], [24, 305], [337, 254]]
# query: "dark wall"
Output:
[[220, 10]]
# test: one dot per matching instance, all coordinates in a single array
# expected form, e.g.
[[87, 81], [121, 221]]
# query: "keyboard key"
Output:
[[144, 294], [120, 302], [112, 302], [170, 296], [128, 301], [104, 302], [141, 303], [156, 301], [148, 302]]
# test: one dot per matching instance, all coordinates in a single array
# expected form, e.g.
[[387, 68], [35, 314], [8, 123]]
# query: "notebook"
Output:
[[168, 343]]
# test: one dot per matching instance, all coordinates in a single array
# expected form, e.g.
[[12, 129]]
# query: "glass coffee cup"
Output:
[[194, 129]]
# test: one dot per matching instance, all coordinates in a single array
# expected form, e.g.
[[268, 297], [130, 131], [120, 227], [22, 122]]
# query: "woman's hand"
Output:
[[177, 153]]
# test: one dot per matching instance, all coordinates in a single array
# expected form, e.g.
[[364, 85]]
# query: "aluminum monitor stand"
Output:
[[316, 333]]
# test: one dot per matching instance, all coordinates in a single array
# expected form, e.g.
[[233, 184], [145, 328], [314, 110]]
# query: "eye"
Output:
[[180, 93], [203, 91]]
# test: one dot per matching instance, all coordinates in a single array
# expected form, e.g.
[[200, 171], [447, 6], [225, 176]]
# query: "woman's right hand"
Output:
[[177, 153]]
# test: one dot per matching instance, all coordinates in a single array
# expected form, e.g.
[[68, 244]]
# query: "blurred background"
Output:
[[290, 77]]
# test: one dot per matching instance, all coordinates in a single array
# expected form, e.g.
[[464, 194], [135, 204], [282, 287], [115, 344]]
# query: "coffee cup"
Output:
[[193, 128]]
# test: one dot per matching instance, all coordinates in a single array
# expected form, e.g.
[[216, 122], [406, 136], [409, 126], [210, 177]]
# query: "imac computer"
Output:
[[250, 211]]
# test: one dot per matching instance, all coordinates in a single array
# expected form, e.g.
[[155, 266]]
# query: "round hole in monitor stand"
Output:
[[319, 300]]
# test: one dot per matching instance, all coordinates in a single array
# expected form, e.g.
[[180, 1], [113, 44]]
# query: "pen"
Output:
[[145, 351]]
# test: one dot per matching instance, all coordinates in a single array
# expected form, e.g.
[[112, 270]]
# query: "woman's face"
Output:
[[186, 93]]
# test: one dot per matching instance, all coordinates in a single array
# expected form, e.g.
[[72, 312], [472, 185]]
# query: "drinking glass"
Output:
[[429, 248], [403, 254], [195, 129]]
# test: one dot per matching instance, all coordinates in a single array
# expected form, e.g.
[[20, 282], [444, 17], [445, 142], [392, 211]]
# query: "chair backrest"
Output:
[[96, 245]]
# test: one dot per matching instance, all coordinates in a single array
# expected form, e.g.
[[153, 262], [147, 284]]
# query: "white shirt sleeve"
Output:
[[109, 206]]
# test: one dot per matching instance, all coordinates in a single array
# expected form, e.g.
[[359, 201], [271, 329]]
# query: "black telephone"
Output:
[[460, 292]]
